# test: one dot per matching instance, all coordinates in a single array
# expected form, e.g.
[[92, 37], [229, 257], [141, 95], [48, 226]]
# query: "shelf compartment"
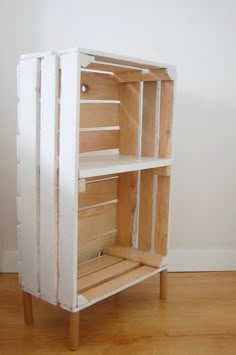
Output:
[[114, 164], [107, 275]]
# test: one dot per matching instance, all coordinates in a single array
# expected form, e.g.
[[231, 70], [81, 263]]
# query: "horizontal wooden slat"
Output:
[[96, 264], [96, 221], [102, 177], [90, 249], [109, 67], [106, 274], [99, 114], [117, 283], [132, 76], [98, 192], [99, 86], [144, 257], [98, 140]]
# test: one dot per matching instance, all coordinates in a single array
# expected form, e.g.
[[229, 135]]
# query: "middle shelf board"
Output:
[[119, 163]]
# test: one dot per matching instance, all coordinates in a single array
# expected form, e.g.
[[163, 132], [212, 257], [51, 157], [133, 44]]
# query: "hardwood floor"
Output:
[[199, 317]]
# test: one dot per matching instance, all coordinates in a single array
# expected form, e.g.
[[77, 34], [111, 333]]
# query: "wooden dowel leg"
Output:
[[163, 285], [27, 302], [74, 331]]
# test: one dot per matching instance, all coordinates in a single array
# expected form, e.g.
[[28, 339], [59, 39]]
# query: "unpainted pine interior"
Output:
[[115, 207]]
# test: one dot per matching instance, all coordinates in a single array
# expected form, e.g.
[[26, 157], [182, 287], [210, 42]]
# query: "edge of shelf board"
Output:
[[114, 164]]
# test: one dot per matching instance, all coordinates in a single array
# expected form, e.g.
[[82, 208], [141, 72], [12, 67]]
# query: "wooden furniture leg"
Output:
[[27, 302], [74, 330], [163, 284]]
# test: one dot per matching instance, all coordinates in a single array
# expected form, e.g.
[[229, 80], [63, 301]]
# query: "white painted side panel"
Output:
[[29, 173], [48, 179], [68, 179]]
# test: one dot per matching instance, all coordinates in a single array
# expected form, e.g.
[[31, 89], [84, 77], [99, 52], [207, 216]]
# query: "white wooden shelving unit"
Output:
[[93, 162]]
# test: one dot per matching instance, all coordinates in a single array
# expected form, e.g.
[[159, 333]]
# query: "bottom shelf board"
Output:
[[119, 163], [104, 276]]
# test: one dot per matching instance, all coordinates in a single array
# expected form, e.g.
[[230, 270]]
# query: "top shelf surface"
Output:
[[119, 163]]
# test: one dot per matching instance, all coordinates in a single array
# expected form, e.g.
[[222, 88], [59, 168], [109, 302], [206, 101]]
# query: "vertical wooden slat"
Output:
[[48, 179], [68, 179], [162, 214], [150, 118], [127, 200], [145, 210], [29, 173], [129, 118], [166, 111], [129, 144]]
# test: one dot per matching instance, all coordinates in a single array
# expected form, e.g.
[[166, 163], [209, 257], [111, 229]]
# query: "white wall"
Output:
[[199, 37]]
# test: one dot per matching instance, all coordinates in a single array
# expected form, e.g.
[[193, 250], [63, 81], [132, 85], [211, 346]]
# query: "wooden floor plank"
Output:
[[96, 264], [106, 274], [198, 318]]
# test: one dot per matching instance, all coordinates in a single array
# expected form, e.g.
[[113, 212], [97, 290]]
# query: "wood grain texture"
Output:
[[145, 210], [132, 76], [96, 265], [99, 115], [127, 201], [163, 284], [98, 140], [99, 87], [73, 330], [27, 304], [98, 192], [162, 214], [112, 285], [102, 276], [198, 318], [96, 221], [90, 249], [135, 254], [166, 112], [129, 118], [149, 120]]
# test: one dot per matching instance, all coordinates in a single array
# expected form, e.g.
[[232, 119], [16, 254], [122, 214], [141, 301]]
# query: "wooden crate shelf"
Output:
[[94, 167]]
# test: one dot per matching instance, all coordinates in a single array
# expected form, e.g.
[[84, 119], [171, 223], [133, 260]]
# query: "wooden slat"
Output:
[[97, 220], [29, 173], [68, 180], [129, 118], [101, 177], [132, 76], [109, 67], [143, 257], [166, 110], [119, 282], [98, 192], [162, 214], [97, 264], [149, 120], [106, 274], [145, 210], [90, 249], [99, 86], [98, 140], [127, 200], [48, 180], [99, 114]]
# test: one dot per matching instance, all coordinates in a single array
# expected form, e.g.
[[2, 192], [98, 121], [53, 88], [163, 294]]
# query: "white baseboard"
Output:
[[178, 260], [202, 260]]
